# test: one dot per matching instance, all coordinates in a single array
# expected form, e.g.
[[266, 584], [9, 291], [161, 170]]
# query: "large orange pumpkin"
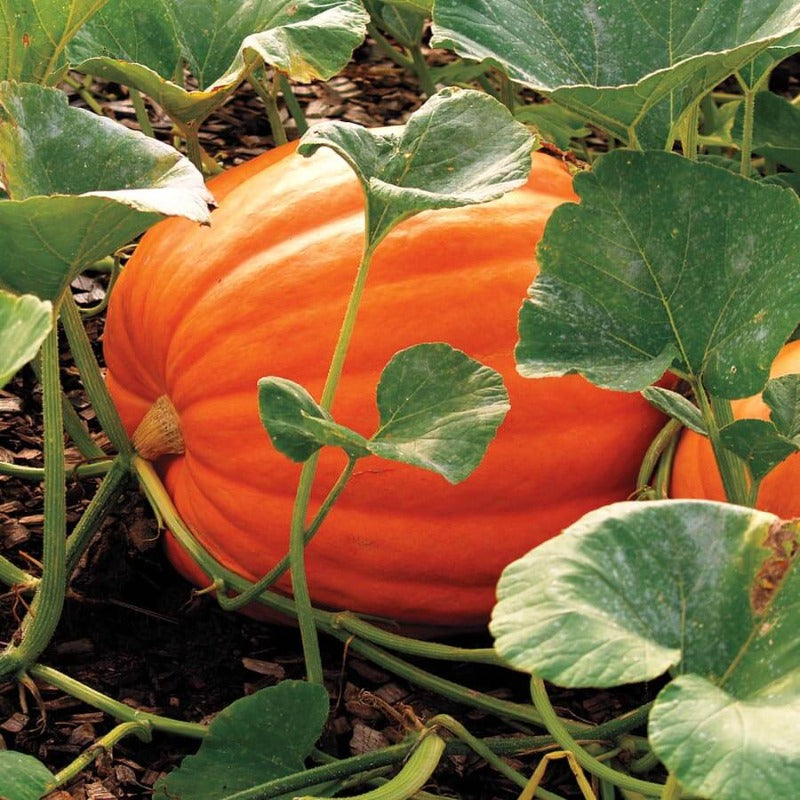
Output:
[[694, 470], [200, 314]]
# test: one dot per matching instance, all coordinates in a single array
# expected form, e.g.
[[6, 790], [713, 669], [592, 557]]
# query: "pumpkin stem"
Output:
[[159, 432]]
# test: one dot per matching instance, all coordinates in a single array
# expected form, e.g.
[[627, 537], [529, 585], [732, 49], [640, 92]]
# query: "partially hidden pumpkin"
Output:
[[694, 469], [200, 314]]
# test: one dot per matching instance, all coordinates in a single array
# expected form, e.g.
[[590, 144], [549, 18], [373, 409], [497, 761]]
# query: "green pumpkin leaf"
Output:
[[461, 147], [34, 34], [458, 72], [641, 274], [439, 410], [677, 406], [24, 323], [115, 33], [23, 777], [758, 70], [717, 131], [630, 69], [782, 395], [220, 42], [553, 123], [422, 6], [284, 407], [297, 425], [631, 591], [727, 747], [708, 592], [402, 23], [80, 186], [758, 443], [254, 740]]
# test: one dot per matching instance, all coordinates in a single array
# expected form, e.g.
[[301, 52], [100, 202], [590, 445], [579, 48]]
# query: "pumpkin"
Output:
[[201, 313], [694, 469]]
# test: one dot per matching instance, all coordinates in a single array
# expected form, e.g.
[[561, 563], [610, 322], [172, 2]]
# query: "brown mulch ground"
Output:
[[132, 628]]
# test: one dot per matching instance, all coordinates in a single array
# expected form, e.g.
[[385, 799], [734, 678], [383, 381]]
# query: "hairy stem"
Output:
[[95, 470], [423, 72], [413, 776], [107, 493], [716, 414], [415, 647], [388, 49], [484, 751], [12, 575], [327, 622], [270, 100], [92, 697], [141, 112], [250, 594], [585, 759], [140, 729], [92, 379], [40, 623], [672, 789], [658, 446], [292, 104]]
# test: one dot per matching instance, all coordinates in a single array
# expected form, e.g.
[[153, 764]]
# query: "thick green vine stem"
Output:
[[114, 272], [114, 708], [82, 87], [102, 502], [140, 729], [672, 789], [12, 575], [141, 112], [661, 442], [297, 560], [92, 379], [292, 104], [327, 621], [716, 414], [269, 97], [457, 729], [78, 432], [422, 71], [560, 733], [250, 594], [415, 772], [94, 470], [39, 624], [302, 599], [388, 49], [73, 424], [416, 647], [749, 92], [690, 132]]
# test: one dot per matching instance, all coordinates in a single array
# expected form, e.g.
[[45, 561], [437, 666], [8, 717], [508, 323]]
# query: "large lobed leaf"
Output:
[[439, 410], [23, 777], [256, 739], [220, 42], [631, 68], [80, 186], [35, 33], [644, 272], [24, 323], [461, 147], [707, 591]]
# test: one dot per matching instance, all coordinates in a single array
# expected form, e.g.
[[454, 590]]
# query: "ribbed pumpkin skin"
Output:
[[694, 470], [200, 314]]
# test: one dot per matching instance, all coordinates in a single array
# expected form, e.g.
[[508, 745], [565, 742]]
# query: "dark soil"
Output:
[[134, 630]]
